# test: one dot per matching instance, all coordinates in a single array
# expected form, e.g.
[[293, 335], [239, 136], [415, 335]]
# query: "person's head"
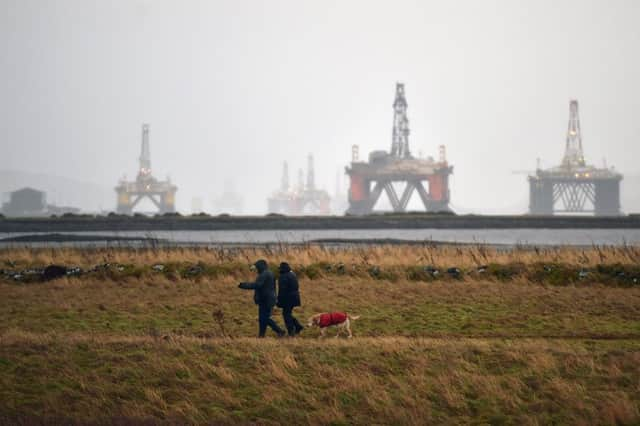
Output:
[[284, 268], [261, 265]]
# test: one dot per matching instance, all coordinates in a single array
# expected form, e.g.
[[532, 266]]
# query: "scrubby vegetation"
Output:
[[447, 335]]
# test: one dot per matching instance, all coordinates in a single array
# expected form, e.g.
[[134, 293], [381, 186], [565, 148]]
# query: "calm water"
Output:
[[485, 236]]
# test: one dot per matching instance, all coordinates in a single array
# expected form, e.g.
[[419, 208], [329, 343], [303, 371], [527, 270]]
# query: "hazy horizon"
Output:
[[231, 89]]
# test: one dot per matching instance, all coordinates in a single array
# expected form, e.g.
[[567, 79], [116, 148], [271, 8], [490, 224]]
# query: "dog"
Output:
[[341, 320]]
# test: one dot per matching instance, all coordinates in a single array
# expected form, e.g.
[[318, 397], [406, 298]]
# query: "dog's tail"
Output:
[[353, 318]]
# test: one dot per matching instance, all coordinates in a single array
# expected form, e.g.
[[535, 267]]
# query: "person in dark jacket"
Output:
[[289, 298], [265, 297]]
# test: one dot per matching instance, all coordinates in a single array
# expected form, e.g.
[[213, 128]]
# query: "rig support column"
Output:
[[607, 198], [540, 197]]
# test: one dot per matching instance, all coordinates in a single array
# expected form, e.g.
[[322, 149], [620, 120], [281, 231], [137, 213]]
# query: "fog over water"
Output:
[[233, 88]]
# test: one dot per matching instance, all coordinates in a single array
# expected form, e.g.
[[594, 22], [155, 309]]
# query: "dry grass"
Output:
[[382, 380], [134, 345], [381, 255]]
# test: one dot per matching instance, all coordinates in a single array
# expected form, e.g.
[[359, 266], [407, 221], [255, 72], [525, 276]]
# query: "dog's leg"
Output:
[[347, 325], [323, 331]]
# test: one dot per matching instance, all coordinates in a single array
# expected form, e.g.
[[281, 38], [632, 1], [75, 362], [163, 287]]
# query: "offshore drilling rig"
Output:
[[574, 186], [302, 198], [384, 169], [161, 193]]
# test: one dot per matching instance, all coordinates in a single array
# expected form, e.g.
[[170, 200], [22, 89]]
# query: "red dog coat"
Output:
[[332, 318]]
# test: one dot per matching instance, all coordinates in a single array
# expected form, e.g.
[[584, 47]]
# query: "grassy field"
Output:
[[447, 335]]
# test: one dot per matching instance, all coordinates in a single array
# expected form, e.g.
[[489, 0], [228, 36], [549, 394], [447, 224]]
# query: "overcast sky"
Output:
[[233, 88]]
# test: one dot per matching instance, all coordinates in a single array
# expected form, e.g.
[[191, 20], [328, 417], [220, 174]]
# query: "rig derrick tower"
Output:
[[369, 179], [312, 199], [281, 200], [130, 193], [574, 186], [400, 134]]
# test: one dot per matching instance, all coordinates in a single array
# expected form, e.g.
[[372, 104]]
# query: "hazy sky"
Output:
[[233, 88]]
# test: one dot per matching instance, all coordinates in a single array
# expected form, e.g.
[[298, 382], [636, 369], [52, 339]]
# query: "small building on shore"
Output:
[[26, 202], [29, 202]]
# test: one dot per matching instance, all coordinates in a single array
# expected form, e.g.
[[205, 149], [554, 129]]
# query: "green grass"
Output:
[[526, 341], [151, 306]]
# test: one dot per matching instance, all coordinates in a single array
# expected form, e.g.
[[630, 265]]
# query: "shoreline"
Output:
[[272, 222], [89, 242]]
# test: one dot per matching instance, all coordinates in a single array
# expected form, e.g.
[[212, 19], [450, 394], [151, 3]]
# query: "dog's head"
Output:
[[314, 321]]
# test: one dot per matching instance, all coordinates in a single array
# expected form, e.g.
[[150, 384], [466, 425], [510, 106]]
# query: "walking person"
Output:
[[289, 298], [265, 297]]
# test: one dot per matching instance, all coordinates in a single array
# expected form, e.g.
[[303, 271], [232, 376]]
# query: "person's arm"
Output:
[[256, 285]]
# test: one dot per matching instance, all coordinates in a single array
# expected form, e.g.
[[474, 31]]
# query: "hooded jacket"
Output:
[[264, 287], [288, 289]]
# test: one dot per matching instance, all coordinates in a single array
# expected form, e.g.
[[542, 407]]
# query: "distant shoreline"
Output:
[[64, 238], [97, 238], [390, 221]]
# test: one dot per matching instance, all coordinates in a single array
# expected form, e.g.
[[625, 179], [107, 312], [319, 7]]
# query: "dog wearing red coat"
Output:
[[341, 320]]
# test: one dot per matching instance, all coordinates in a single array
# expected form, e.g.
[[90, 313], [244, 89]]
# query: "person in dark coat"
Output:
[[289, 298], [265, 297]]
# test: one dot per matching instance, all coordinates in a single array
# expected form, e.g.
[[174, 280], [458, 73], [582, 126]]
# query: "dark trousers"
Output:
[[264, 320], [291, 322]]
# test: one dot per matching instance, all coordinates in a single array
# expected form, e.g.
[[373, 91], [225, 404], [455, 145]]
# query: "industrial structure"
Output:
[[369, 179], [339, 200], [301, 199], [26, 202], [29, 202], [229, 202], [574, 186], [161, 193]]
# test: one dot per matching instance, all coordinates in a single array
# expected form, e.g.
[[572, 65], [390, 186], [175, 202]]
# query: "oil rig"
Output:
[[369, 179], [161, 193], [229, 202], [302, 199], [574, 186]]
